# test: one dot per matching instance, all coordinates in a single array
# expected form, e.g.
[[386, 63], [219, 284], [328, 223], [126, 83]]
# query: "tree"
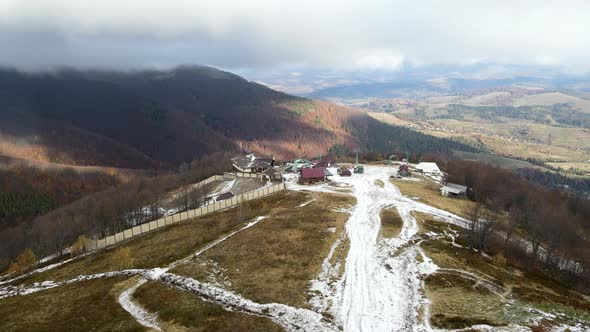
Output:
[[474, 215], [24, 262], [487, 224], [80, 246]]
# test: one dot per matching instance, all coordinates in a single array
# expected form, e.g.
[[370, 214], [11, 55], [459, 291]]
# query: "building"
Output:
[[311, 175], [298, 164], [224, 196], [429, 168], [252, 164], [454, 190], [321, 164]]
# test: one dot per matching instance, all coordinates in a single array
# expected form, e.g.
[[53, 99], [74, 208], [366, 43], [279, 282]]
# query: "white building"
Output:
[[429, 168], [453, 190]]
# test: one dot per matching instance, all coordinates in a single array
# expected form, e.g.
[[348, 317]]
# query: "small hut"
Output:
[[311, 175]]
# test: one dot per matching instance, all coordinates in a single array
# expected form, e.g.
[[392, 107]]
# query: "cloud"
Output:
[[370, 34]]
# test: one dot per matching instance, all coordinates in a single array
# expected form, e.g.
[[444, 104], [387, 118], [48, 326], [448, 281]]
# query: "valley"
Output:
[[513, 122]]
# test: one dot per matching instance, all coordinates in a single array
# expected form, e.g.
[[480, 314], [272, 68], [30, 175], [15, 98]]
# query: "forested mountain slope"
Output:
[[154, 119]]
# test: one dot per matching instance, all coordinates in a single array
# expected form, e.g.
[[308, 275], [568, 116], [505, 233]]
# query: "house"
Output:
[[321, 164], [274, 173], [429, 168], [311, 175], [454, 190], [252, 164], [297, 165]]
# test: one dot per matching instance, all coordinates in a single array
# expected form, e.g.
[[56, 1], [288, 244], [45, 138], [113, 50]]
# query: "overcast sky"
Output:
[[264, 34]]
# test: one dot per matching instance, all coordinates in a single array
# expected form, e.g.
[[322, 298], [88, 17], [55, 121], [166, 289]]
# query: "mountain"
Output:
[[160, 119]]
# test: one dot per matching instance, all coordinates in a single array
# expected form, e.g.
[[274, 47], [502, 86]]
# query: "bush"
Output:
[[80, 246], [14, 269], [121, 259], [24, 262], [499, 259]]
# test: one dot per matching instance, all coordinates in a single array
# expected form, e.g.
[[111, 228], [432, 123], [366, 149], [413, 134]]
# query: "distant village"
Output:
[[309, 172]]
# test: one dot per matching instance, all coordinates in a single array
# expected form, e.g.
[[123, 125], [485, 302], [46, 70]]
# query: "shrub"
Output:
[[80, 246], [14, 269], [499, 259], [121, 259], [24, 262]]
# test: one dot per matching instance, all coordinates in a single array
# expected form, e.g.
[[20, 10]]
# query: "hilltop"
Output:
[[355, 252]]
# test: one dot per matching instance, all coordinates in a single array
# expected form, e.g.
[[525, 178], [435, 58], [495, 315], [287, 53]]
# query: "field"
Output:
[[179, 311], [292, 245], [472, 289], [91, 305], [562, 144], [391, 223], [551, 98], [428, 192]]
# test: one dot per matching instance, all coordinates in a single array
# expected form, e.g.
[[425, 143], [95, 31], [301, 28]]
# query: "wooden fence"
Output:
[[191, 214]]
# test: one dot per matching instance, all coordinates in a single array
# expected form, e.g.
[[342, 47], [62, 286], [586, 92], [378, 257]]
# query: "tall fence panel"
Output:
[[191, 214]]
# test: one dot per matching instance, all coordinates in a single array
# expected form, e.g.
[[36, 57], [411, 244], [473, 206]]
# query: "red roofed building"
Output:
[[312, 175]]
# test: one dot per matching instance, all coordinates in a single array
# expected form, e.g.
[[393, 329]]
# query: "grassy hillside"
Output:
[[290, 251]]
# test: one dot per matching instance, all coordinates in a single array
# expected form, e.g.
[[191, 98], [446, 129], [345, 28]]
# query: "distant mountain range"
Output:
[[160, 119]]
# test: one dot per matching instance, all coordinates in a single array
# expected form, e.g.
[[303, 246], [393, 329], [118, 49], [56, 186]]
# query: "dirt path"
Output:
[[380, 288], [381, 292]]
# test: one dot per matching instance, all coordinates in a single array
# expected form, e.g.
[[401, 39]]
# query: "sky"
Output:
[[264, 35]]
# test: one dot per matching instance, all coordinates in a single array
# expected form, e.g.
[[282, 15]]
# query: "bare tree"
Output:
[[487, 223], [474, 215]]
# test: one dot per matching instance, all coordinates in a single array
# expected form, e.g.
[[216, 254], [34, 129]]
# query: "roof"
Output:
[[320, 164], [454, 188], [225, 195], [318, 172], [428, 167], [250, 161]]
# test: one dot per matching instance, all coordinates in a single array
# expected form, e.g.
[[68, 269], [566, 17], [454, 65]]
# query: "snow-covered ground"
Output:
[[381, 291], [141, 315]]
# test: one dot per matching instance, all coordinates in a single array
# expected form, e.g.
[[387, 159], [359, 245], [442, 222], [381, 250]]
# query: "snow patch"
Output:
[[141, 315]]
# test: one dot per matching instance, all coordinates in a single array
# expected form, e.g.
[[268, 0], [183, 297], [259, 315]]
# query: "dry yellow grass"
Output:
[[458, 302], [429, 193], [85, 306], [391, 223], [180, 311], [275, 260], [167, 245], [93, 305]]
